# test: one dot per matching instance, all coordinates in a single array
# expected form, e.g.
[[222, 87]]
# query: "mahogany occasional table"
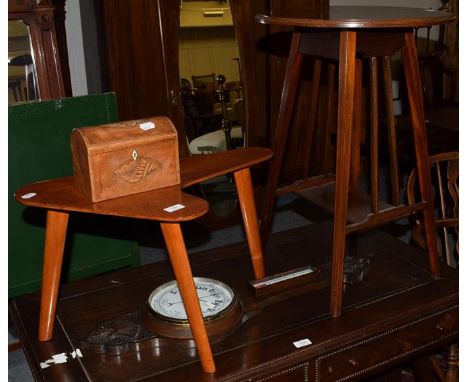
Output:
[[60, 197], [342, 33]]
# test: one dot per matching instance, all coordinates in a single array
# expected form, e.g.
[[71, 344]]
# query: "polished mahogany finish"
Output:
[[61, 196], [398, 312], [392, 139], [357, 17], [445, 173], [274, 44], [341, 33]]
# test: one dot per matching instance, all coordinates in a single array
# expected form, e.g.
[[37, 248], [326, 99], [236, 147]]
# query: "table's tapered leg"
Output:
[[329, 97], [309, 133], [56, 230], [392, 140], [293, 69], [415, 97], [374, 133], [180, 264], [355, 169], [347, 62], [249, 215]]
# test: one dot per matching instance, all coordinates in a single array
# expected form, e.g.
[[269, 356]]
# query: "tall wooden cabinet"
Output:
[[142, 59], [142, 44]]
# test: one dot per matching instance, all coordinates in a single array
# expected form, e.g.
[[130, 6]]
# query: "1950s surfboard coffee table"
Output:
[[60, 197]]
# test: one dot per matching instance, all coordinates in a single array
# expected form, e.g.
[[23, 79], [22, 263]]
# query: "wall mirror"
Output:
[[211, 90], [22, 79], [210, 76]]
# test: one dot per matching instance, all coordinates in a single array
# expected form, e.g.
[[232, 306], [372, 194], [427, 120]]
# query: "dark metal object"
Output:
[[118, 336], [226, 122], [285, 280], [356, 269]]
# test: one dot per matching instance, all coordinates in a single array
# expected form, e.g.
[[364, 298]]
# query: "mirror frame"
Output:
[[50, 56]]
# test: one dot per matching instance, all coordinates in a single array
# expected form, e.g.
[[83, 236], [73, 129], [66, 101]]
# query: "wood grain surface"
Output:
[[359, 17], [396, 313]]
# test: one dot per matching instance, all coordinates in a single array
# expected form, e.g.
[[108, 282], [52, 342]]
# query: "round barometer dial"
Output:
[[214, 296]]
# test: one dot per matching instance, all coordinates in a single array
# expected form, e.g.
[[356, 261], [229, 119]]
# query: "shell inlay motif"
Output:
[[134, 171]]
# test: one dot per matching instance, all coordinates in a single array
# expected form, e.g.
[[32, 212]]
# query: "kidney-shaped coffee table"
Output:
[[169, 206]]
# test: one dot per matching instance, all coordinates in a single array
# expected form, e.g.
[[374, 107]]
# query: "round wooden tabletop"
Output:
[[357, 17]]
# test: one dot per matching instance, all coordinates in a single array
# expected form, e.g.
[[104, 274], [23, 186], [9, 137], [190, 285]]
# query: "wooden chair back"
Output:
[[445, 174]]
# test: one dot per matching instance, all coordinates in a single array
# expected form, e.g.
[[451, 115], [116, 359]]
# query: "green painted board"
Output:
[[38, 149]]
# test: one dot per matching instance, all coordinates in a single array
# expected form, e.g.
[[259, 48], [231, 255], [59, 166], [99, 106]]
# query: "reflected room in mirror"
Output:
[[210, 76], [22, 83], [212, 94]]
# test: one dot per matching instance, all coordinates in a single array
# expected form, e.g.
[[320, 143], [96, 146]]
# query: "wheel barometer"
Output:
[[164, 313]]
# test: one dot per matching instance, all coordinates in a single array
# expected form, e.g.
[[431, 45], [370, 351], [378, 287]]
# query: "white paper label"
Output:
[[302, 343], [60, 358], [29, 195], [147, 126], [173, 208], [76, 353]]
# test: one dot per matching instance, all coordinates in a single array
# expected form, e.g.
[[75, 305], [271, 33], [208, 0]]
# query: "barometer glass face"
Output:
[[214, 296]]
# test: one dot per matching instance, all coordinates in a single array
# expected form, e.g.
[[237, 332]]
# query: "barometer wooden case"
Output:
[[164, 313]]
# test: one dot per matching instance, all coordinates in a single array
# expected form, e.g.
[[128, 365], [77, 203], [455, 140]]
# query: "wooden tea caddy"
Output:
[[125, 158]]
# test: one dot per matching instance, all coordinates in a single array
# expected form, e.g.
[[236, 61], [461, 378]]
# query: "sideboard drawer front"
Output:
[[381, 350], [297, 373]]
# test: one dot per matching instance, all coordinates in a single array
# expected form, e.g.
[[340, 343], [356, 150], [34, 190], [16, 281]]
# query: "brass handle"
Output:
[[213, 13]]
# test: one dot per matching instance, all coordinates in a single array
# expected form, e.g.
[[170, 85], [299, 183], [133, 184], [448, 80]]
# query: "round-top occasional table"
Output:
[[345, 34]]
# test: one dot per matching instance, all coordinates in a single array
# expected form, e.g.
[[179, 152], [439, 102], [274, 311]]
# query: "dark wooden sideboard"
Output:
[[396, 314]]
